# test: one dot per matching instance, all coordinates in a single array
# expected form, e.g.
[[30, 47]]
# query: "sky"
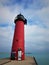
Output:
[[37, 29]]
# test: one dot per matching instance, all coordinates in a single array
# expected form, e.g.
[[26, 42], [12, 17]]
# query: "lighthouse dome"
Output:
[[20, 17]]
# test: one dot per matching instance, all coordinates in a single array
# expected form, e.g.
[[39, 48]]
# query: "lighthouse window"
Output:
[[17, 40]]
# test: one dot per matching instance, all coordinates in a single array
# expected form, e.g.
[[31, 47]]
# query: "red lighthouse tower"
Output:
[[18, 40]]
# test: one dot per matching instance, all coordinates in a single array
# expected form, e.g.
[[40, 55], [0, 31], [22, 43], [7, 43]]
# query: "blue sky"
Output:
[[37, 29]]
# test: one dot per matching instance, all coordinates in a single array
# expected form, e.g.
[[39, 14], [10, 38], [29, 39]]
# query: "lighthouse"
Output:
[[18, 48]]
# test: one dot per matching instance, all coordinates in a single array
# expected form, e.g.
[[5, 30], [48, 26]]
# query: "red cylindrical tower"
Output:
[[18, 40]]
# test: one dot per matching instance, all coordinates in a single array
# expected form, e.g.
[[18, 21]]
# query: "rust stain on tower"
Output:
[[18, 48]]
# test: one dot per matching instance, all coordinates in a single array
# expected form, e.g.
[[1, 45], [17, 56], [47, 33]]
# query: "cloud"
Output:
[[43, 16], [36, 33], [37, 30], [36, 38], [39, 16], [6, 36]]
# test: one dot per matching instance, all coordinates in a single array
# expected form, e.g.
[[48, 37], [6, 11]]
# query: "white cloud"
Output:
[[8, 13], [36, 38], [43, 15], [36, 33], [45, 2], [33, 33], [6, 37]]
